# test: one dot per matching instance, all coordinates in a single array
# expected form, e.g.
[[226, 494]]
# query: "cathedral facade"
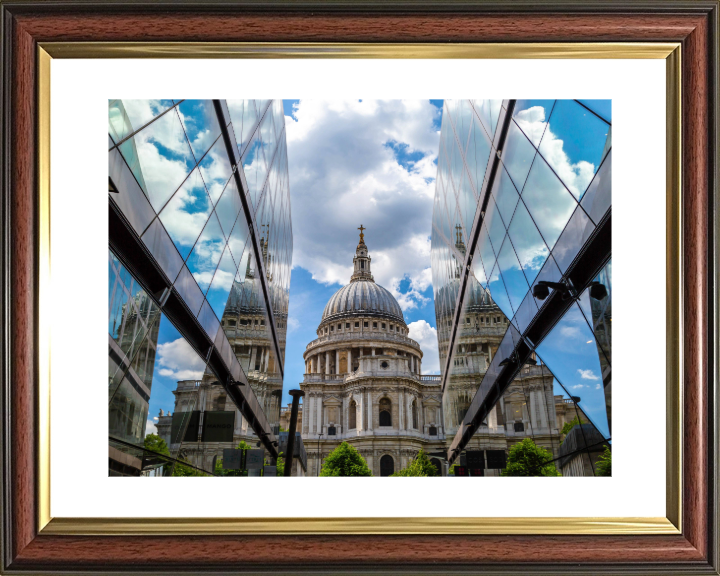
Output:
[[363, 380], [363, 384]]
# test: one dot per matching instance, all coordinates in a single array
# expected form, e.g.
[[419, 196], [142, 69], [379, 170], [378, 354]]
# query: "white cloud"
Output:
[[179, 361], [293, 324], [587, 374], [343, 173], [150, 427], [425, 335]]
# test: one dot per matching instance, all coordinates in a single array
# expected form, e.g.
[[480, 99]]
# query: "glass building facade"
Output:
[[199, 273], [522, 277]]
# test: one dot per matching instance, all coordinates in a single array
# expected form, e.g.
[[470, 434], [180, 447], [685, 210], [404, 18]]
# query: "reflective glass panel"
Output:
[[206, 253], [532, 117], [201, 124], [573, 144], [529, 245], [185, 215], [517, 156], [549, 202]]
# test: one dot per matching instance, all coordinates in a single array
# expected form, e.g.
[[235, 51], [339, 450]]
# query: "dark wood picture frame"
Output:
[[693, 24]]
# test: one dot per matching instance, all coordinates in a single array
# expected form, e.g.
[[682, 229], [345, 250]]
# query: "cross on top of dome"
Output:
[[361, 262]]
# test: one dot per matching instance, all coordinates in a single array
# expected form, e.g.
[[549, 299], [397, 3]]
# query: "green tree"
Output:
[[345, 461], [220, 471], [156, 444], [604, 465], [528, 459], [420, 466]]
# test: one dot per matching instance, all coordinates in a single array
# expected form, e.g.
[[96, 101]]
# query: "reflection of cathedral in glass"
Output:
[[520, 255], [200, 259]]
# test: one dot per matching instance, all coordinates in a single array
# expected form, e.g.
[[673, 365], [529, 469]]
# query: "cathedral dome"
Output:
[[362, 297]]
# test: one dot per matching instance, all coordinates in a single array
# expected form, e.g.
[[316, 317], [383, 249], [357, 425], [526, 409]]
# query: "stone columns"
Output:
[[533, 420], [319, 402], [349, 360], [401, 409], [373, 352], [543, 410], [337, 361], [253, 353], [310, 419], [369, 410], [327, 362], [360, 422]]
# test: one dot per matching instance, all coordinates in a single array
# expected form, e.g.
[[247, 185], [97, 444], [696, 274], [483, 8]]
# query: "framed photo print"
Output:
[[358, 265]]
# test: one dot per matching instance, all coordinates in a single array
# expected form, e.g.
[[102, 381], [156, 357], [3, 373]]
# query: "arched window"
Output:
[[387, 465], [435, 462], [414, 415], [352, 415], [385, 411]]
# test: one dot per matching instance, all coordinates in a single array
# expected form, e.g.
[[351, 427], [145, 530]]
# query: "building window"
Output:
[[414, 415], [232, 323], [433, 431], [365, 324], [383, 325], [347, 325], [519, 427], [352, 415], [331, 430], [496, 459], [374, 324], [387, 465], [357, 324], [435, 462], [385, 412], [332, 328], [362, 264], [339, 326]]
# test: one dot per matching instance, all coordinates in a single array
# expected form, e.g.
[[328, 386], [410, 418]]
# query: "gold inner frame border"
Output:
[[671, 524]]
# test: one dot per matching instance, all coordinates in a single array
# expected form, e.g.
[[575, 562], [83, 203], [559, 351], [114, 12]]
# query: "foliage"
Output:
[[156, 444], [570, 425], [345, 460], [604, 465], [183, 470], [528, 459], [220, 471], [420, 466]]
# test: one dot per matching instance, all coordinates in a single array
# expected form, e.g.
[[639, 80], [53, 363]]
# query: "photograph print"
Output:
[[360, 288]]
